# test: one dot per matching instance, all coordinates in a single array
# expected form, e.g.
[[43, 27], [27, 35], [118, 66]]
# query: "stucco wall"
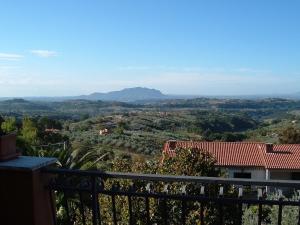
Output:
[[260, 173]]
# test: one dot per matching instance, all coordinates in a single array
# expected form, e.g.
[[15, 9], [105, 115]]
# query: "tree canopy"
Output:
[[290, 135]]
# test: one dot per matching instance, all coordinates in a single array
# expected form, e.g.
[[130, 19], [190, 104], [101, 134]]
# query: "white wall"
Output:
[[259, 173]]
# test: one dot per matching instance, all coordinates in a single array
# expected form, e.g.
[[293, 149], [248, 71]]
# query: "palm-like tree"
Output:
[[81, 157], [84, 158]]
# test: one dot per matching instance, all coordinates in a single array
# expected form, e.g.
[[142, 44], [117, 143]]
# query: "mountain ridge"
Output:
[[126, 95], [144, 94]]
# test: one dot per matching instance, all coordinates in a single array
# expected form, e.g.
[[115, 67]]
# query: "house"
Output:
[[103, 132], [52, 130], [251, 160]]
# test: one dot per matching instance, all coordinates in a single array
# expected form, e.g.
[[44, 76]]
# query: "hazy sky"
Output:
[[70, 47]]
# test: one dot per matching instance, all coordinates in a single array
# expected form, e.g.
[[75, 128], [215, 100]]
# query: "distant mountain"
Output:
[[22, 106], [296, 95], [142, 95], [126, 95]]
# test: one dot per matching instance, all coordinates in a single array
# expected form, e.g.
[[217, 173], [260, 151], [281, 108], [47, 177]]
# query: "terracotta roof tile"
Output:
[[244, 154], [283, 157]]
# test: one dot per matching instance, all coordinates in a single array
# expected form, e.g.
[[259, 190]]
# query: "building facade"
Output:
[[250, 160]]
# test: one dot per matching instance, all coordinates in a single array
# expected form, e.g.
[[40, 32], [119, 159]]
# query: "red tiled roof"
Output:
[[283, 157], [244, 154]]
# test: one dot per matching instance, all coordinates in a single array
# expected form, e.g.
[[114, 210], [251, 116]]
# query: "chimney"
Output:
[[172, 144], [269, 147]]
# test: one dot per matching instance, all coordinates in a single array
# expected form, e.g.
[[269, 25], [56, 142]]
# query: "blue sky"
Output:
[[67, 47]]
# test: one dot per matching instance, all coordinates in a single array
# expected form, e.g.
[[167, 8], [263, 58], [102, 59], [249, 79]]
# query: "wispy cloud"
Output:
[[145, 68], [252, 70], [194, 69], [135, 68], [44, 53], [9, 56]]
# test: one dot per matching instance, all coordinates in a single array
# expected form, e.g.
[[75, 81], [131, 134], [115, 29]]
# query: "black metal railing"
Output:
[[94, 197]]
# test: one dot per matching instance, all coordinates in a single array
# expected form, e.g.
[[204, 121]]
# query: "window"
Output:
[[295, 176], [242, 175]]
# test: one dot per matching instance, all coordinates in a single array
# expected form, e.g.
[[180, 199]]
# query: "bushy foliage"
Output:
[[290, 135], [190, 162], [187, 162], [9, 124], [290, 214], [1, 121]]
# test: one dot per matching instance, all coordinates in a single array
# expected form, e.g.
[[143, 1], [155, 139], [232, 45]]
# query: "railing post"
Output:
[[280, 207], [202, 192], [183, 205], [240, 206], [95, 200], [24, 199], [221, 214], [260, 194], [148, 190]]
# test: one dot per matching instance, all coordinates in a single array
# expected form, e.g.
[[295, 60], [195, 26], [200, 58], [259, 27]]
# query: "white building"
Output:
[[251, 160]]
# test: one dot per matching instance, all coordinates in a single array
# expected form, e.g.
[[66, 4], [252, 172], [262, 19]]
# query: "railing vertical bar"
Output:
[[183, 211], [260, 197], [201, 213], [259, 213], [279, 213], [65, 202], [280, 207], [82, 209], [53, 207], [221, 192], [130, 210], [240, 214], [165, 216], [94, 201], [240, 206], [221, 219], [202, 193], [147, 210], [98, 211], [113, 201], [299, 208]]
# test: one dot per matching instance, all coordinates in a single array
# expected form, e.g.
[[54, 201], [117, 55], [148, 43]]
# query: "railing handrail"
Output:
[[172, 178]]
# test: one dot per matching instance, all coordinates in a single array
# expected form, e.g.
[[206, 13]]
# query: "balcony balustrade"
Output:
[[94, 197]]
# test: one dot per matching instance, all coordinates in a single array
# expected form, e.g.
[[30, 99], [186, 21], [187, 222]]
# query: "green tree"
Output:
[[29, 131], [125, 163], [45, 122], [289, 135], [1, 121], [9, 125], [187, 162], [192, 162], [121, 127]]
